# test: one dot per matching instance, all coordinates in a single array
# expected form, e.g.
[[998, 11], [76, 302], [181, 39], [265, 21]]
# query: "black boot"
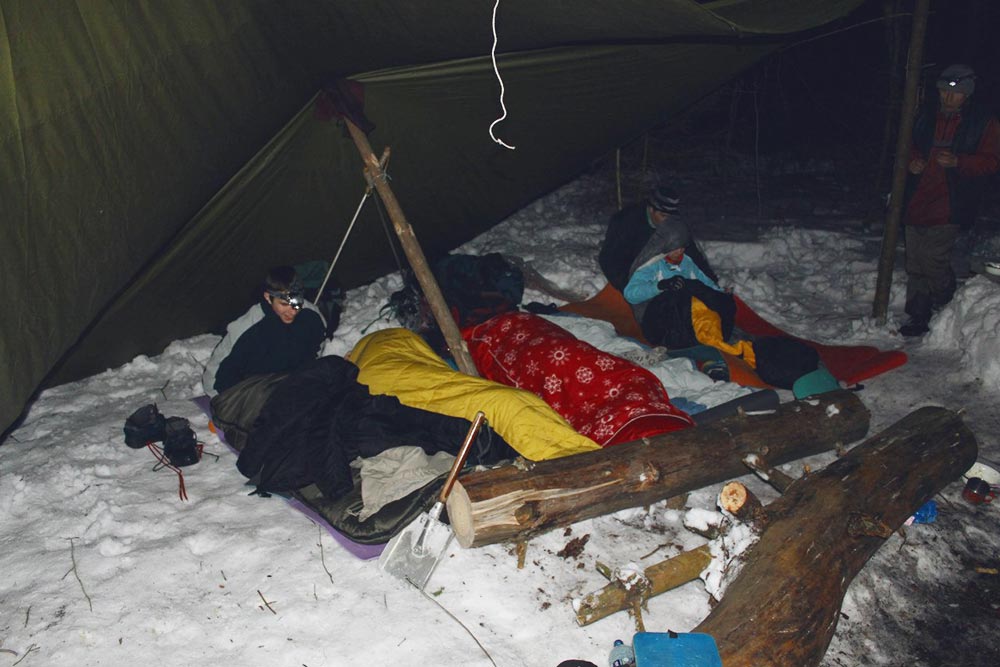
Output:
[[915, 326]]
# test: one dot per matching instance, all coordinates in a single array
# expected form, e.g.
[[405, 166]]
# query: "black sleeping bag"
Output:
[[320, 418]]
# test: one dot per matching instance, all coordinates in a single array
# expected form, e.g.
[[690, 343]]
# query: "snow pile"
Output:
[[971, 325]]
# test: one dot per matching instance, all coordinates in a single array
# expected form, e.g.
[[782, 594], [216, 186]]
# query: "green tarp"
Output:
[[156, 157]]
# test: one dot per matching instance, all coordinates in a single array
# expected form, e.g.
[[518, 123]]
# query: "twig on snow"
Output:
[[27, 615], [31, 649], [464, 627], [266, 603], [72, 556], [322, 557]]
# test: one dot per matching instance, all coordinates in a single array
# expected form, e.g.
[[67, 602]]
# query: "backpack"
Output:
[[782, 360]]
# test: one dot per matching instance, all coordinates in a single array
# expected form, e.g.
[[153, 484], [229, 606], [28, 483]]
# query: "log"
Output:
[[660, 578], [781, 610], [518, 501]]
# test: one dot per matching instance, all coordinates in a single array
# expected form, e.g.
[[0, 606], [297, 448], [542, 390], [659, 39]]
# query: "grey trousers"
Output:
[[930, 279]]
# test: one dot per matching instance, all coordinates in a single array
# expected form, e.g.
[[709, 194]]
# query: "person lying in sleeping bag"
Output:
[[280, 333], [676, 304]]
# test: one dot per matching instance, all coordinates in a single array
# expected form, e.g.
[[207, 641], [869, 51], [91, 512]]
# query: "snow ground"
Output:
[[104, 565]]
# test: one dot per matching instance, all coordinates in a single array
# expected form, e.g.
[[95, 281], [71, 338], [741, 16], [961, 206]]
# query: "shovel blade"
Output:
[[413, 553]]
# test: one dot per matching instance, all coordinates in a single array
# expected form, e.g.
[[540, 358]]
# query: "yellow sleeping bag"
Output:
[[399, 363]]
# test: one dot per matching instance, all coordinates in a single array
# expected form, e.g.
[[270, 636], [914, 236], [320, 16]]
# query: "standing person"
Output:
[[280, 333], [631, 229], [954, 149]]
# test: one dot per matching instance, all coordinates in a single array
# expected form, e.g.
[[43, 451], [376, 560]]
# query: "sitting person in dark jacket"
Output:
[[280, 333], [631, 233]]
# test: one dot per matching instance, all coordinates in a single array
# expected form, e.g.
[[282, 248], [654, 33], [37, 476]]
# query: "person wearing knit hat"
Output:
[[632, 229], [955, 148], [665, 200]]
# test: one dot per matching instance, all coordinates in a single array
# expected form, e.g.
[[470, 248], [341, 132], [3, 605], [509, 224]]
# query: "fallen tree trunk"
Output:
[[783, 607], [517, 501]]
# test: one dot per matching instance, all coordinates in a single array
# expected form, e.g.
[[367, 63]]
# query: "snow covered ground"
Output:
[[103, 564]]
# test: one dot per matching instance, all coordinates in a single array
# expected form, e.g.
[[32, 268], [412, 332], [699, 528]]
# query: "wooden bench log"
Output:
[[783, 607], [517, 501]]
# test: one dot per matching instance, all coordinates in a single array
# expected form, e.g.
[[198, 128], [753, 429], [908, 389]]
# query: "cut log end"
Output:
[[739, 501], [460, 516]]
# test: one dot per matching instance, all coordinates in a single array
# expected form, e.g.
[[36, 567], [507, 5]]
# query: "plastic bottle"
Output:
[[622, 655]]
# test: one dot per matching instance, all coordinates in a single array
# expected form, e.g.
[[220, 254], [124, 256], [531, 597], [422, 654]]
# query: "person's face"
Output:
[[657, 217], [281, 308], [951, 100], [675, 256]]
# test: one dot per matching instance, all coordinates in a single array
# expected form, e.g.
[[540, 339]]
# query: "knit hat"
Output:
[[957, 78], [665, 200]]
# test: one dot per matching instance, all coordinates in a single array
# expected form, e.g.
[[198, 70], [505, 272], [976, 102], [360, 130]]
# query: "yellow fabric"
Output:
[[399, 363], [708, 330]]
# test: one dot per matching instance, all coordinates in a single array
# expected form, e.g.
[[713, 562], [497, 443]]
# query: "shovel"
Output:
[[413, 552]]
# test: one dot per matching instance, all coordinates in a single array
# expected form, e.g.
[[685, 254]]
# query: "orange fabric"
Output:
[[847, 363], [609, 305]]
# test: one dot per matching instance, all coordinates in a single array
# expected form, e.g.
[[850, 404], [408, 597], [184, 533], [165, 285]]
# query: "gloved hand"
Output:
[[674, 284]]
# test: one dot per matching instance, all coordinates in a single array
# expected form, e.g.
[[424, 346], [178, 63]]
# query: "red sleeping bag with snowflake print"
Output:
[[606, 398]]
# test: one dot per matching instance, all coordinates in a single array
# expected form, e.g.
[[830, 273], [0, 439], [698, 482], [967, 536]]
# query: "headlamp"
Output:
[[293, 299]]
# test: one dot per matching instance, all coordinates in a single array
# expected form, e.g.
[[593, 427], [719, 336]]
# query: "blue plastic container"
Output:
[[675, 649]]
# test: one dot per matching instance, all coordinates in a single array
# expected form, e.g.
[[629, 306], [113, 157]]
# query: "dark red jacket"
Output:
[[940, 196]]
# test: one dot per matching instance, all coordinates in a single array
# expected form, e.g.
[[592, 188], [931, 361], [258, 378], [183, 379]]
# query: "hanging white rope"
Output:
[[496, 70], [342, 243]]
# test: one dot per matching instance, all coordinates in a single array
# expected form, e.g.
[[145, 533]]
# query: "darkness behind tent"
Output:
[[162, 155]]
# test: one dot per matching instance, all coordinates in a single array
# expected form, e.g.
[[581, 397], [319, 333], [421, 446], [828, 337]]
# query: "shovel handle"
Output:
[[463, 453]]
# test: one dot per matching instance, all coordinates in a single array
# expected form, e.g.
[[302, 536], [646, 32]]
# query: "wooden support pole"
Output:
[[890, 234], [408, 239], [515, 502]]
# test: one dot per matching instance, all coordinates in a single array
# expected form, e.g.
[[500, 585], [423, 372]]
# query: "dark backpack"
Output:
[[479, 287], [782, 360]]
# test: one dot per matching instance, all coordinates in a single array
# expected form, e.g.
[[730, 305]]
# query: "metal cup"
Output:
[[977, 491]]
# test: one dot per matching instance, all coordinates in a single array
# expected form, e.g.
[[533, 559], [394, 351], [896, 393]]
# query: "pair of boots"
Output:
[[146, 425]]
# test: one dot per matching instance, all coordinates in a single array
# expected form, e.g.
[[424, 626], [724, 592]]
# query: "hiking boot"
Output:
[[914, 327], [144, 425], [180, 445]]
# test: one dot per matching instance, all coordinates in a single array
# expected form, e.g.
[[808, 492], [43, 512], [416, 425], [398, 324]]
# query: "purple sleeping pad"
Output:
[[362, 551]]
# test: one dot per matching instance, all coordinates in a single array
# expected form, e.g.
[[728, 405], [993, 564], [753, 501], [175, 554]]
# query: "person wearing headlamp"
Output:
[[280, 333], [954, 149]]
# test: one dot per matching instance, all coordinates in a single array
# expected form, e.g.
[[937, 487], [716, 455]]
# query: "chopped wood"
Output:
[[739, 501], [513, 502], [658, 578]]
